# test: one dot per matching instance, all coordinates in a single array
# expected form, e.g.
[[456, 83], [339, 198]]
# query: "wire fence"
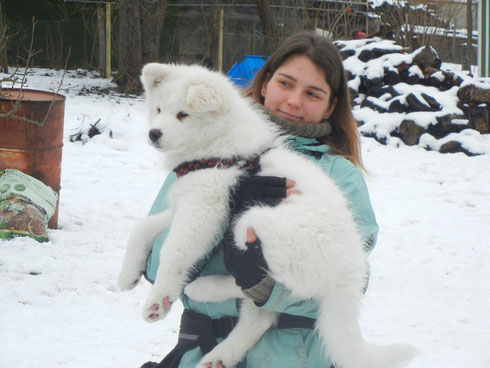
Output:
[[190, 33]]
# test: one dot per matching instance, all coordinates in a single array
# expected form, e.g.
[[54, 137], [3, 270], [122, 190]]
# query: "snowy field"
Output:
[[60, 305]]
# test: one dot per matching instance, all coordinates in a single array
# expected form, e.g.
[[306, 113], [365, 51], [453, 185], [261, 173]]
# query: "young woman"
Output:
[[303, 87]]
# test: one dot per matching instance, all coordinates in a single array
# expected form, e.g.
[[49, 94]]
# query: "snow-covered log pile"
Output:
[[403, 97]]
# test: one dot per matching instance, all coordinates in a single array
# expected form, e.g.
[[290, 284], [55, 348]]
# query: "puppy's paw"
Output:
[[156, 308], [210, 365], [128, 278], [217, 358]]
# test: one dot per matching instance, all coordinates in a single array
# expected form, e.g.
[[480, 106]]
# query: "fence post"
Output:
[[483, 38]]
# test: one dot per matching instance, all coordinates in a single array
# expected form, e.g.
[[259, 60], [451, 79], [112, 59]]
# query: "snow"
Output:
[[483, 83], [60, 305], [414, 70]]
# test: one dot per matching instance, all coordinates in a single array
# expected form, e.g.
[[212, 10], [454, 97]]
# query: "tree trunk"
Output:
[[268, 24], [130, 50], [140, 22], [152, 16], [212, 61], [101, 41]]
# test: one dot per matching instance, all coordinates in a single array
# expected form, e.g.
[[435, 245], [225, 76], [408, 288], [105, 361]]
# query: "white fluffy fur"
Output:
[[310, 242]]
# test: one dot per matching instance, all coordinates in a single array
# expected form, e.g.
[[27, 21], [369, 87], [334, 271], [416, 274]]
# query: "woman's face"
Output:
[[298, 92]]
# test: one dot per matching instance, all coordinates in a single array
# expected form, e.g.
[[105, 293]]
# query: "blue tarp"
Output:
[[242, 72]]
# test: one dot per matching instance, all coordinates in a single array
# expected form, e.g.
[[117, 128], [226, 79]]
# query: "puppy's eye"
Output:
[[181, 115], [159, 110]]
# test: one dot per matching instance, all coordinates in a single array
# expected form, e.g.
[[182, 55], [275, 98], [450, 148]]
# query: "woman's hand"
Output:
[[249, 268], [252, 190]]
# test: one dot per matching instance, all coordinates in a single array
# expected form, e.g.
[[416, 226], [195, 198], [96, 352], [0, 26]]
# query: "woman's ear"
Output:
[[331, 108], [263, 90]]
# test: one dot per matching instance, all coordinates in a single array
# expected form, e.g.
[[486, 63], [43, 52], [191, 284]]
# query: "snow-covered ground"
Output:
[[60, 305]]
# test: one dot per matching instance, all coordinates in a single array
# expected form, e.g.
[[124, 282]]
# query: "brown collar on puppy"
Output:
[[251, 165]]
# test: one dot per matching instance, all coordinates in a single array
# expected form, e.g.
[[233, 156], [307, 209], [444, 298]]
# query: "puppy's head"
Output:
[[188, 105]]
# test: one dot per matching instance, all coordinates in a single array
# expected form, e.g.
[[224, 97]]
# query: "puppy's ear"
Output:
[[153, 74], [203, 97]]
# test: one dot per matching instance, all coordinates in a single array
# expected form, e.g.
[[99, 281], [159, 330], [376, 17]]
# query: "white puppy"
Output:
[[310, 242]]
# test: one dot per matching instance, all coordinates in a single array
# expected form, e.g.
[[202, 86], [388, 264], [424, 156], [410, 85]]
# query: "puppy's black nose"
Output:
[[155, 135]]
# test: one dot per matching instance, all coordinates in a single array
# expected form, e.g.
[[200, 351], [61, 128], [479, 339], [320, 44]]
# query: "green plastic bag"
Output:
[[26, 205]]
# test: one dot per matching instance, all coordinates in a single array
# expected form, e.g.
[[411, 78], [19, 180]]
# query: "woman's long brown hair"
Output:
[[344, 139]]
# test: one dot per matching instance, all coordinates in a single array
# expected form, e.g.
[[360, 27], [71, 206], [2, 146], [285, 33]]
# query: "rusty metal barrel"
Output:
[[31, 136]]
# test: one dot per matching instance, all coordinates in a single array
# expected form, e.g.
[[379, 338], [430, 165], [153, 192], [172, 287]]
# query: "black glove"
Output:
[[247, 267], [251, 190]]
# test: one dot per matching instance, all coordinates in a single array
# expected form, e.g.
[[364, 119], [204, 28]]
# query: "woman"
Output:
[[304, 88]]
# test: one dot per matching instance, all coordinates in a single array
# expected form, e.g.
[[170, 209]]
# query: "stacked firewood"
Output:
[[406, 97]]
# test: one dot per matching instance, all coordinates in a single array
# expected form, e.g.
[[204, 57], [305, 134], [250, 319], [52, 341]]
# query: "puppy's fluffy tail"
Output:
[[338, 326]]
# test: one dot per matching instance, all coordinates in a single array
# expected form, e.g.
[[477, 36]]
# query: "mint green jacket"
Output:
[[283, 348]]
